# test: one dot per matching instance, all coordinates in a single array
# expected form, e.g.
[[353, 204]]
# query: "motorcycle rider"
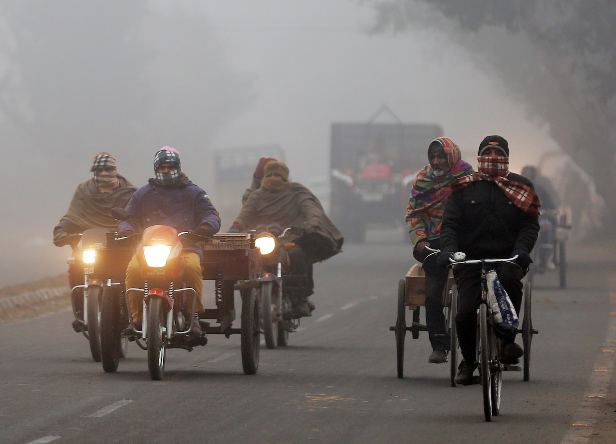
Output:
[[292, 204], [257, 177], [492, 213], [91, 208], [424, 215], [170, 198]]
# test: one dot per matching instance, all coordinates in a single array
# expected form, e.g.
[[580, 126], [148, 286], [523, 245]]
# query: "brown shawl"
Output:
[[294, 205], [91, 208]]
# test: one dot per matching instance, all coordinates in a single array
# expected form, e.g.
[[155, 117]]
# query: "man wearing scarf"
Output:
[[424, 215], [170, 198], [493, 214], [292, 204], [91, 208], [257, 177]]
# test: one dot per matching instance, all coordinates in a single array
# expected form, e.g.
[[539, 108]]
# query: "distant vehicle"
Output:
[[234, 170], [373, 167]]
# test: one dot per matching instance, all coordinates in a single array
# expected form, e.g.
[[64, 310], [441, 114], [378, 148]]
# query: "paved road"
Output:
[[335, 383]]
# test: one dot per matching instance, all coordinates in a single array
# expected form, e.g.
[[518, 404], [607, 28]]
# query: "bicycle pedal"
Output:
[[512, 368]]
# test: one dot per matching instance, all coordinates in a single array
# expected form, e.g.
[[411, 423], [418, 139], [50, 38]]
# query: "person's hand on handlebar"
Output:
[[420, 252], [205, 231], [523, 260], [443, 259]]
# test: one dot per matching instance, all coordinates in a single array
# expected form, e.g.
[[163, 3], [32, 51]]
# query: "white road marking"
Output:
[[44, 439], [110, 408], [349, 305], [221, 357], [325, 317]]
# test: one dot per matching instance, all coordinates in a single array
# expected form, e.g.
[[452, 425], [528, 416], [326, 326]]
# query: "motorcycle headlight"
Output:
[[156, 255], [89, 256], [266, 243]]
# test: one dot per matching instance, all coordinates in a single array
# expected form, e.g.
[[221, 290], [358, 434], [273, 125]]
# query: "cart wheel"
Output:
[[562, 264], [453, 335], [415, 328], [401, 326], [527, 329], [251, 333]]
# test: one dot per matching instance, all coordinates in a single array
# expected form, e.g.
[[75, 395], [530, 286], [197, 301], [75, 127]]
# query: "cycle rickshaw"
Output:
[[412, 296]]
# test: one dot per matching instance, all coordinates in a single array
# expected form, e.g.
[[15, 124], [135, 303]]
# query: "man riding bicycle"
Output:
[[490, 214], [424, 215]]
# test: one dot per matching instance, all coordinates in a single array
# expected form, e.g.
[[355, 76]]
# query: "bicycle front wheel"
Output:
[[484, 361]]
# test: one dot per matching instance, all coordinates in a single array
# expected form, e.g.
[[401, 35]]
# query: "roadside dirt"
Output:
[[35, 308]]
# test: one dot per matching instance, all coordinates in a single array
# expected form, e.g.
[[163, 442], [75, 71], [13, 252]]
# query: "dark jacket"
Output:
[[480, 221], [183, 206]]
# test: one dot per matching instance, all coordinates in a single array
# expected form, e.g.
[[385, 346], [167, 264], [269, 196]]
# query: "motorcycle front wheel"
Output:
[[250, 332], [157, 346], [110, 331], [270, 322], [93, 295]]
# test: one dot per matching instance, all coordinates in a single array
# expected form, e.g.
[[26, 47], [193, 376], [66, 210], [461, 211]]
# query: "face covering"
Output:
[[493, 166]]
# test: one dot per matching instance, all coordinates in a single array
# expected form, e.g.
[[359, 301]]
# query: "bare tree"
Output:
[[557, 55]]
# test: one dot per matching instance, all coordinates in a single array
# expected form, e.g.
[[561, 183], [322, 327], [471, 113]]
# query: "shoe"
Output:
[[511, 352], [465, 373], [438, 357], [78, 326], [195, 328], [311, 305], [302, 309]]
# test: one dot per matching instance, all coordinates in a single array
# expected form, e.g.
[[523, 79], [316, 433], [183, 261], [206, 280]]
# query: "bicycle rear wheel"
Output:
[[453, 335], [484, 362], [527, 329]]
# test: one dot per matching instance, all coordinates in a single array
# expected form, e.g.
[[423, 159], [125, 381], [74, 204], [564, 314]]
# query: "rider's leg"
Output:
[[301, 266], [436, 278], [468, 281], [193, 278], [135, 298], [510, 275]]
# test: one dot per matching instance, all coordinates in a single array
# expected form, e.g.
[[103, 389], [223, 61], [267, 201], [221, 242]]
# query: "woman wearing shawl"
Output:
[[492, 213], [423, 219]]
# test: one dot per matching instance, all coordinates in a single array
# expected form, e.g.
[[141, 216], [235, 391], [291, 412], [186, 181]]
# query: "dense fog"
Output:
[[77, 78]]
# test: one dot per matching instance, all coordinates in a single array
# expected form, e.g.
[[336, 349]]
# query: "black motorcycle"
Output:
[[282, 291]]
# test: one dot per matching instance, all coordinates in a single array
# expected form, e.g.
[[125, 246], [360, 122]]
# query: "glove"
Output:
[[205, 231], [524, 260], [419, 252], [235, 228], [443, 259], [59, 234]]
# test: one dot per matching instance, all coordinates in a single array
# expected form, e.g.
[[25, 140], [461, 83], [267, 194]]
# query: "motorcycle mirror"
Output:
[[119, 213]]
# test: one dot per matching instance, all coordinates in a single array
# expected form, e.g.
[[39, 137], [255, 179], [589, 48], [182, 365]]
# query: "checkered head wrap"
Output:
[[496, 170], [171, 156], [102, 160]]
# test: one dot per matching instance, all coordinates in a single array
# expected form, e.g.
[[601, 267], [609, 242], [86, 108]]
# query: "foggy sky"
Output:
[[305, 63]]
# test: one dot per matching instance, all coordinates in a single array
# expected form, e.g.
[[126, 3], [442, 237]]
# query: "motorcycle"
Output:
[[280, 289], [167, 317], [102, 272]]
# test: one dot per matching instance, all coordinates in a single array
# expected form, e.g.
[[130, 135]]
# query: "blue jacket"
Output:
[[183, 206]]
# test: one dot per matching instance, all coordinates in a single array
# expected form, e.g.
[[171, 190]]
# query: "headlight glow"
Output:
[[89, 256], [266, 244], [156, 255]]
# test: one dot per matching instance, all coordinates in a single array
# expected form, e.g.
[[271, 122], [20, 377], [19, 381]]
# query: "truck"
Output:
[[373, 168]]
